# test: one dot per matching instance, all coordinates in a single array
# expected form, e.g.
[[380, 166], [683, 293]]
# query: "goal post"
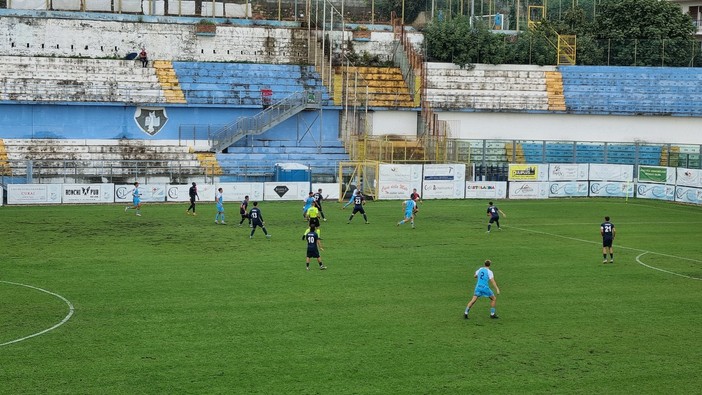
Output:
[[358, 174]]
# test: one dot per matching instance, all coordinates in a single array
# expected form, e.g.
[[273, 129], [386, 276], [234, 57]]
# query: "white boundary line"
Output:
[[71, 309], [638, 260]]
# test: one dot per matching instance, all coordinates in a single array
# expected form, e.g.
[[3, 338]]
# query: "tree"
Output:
[[638, 31], [456, 41]]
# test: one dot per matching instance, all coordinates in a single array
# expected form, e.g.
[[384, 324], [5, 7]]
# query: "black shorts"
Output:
[[254, 224], [314, 221], [607, 242], [192, 199], [358, 210], [493, 219], [312, 253]]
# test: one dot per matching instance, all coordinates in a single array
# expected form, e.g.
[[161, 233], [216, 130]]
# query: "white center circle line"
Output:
[[71, 309]]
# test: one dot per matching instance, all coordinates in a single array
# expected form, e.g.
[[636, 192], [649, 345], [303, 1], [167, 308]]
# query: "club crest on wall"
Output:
[[150, 119]]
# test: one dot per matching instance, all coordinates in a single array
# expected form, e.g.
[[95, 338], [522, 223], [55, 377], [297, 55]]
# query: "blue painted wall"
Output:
[[23, 121]]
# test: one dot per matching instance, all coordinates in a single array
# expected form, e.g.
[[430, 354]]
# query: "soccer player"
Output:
[[353, 195], [136, 200], [314, 245], [607, 231], [309, 202], [257, 220], [193, 194], [242, 210], [318, 200], [219, 200], [409, 206], [358, 202], [494, 213], [482, 288], [416, 198]]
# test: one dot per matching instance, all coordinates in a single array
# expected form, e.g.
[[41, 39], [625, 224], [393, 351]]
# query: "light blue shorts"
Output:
[[220, 208], [136, 201], [408, 213], [484, 291]]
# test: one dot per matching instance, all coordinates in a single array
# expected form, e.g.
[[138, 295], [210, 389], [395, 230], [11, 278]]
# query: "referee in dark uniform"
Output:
[[193, 194]]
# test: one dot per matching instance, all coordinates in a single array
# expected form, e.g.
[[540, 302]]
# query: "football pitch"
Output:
[[98, 301]]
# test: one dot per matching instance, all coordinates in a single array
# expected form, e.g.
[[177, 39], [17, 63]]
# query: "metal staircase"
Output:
[[265, 120]]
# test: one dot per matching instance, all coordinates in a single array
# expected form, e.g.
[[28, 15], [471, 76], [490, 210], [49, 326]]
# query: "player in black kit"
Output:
[[607, 231], [257, 221], [318, 201], [358, 202]]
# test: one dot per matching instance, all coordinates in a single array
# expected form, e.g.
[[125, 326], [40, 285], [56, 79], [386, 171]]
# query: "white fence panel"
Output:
[[486, 190], [444, 181], [568, 189], [528, 190], [34, 194], [655, 191]]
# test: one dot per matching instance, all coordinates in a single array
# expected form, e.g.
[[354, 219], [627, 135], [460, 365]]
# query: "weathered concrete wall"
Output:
[[27, 36]]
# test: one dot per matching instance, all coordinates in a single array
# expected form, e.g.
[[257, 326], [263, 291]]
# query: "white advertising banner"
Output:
[[330, 190], [689, 177], [237, 191], [568, 172], [611, 189], [397, 181], [286, 190], [527, 172], [34, 193], [610, 172], [655, 191], [149, 193], [568, 189], [528, 190], [486, 190], [88, 193], [688, 195], [444, 181]]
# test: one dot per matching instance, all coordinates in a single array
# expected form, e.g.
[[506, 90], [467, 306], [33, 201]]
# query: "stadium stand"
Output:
[[244, 84], [632, 90], [68, 160], [44, 79], [547, 152], [488, 87], [385, 86]]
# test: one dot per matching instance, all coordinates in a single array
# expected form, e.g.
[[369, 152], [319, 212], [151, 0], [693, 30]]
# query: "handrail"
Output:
[[264, 120]]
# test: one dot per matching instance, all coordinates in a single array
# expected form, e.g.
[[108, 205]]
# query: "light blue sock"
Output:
[[467, 310], [492, 311], [222, 216]]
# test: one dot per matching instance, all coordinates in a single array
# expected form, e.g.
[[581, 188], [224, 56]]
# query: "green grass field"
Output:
[[170, 303]]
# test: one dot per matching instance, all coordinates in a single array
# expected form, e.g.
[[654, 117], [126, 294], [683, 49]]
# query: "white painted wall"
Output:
[[401, 123], [569, 127]]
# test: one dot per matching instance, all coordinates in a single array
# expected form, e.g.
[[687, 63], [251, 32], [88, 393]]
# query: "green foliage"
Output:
[[641, 19], [456, 41], [170, 303], [412, 8], [622, 32], [368, 60]]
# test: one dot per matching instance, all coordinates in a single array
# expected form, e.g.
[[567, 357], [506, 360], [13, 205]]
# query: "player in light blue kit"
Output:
[[136, 200], [309, 201], [482, 289], [219, 200], [353, 195], [409, 205]]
